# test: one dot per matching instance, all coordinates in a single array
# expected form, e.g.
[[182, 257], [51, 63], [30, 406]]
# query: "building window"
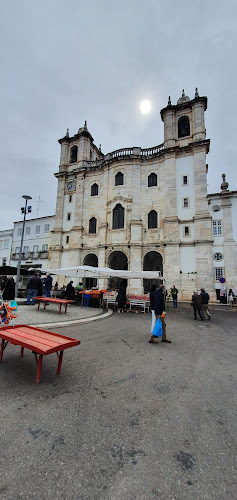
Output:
[[70, 198], [37, 229], [218, 256], [183, 126], [186, 231], [185, 180], [94, 190], [217, 227], [19, 232], [218, 273], [35, 248], [46, 228], [28, 230], [185, 203], [67, 239], [17, 250], [25, 249], [68, 216], [73, 154], [91, 155], [6, 244], [152, 180], [152, 220], [118, 217], [92, 225], [45, 247], [119, 179], [0, 245]]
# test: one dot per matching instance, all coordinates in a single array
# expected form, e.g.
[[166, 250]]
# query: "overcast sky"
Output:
[[66, 62]]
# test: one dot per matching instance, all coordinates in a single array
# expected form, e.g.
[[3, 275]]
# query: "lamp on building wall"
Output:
[[24, 210]]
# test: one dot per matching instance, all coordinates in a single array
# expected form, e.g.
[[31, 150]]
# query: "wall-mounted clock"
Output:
[[71, 186]]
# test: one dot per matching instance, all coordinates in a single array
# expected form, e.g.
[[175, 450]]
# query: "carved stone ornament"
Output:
[[183, 99], [224, 185]]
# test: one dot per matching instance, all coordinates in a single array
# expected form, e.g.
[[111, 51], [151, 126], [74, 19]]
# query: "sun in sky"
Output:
[[145, 106]]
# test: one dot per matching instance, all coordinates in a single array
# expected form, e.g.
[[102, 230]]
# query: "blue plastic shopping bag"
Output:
[[14, 304], [158, 331]]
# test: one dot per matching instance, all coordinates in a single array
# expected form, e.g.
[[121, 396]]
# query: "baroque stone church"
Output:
[[144, 209]]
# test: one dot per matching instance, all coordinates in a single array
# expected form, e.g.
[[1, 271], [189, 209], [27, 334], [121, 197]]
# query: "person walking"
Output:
[[34, 287], [159, 307], [231, 297], [9, 290], [153, 316], [205, 300], [47, 283], [197, 305], [174, 294]]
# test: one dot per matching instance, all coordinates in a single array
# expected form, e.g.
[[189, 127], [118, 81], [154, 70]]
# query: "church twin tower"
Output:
[[139, 209]]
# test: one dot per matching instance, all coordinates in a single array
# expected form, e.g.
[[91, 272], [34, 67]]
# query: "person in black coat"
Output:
[[35, 287], [152, 307], [121, 297], [70, 291], [9, 290], [159, 306]]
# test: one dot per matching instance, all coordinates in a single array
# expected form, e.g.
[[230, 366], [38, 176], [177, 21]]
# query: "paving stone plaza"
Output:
[[125, 420]]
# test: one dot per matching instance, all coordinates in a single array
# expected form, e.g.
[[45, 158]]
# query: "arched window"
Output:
[[73, 154], [92, 225], [183, 126], [152, 219], [152, 180], [119, 179], [118, 217], [94, 190]]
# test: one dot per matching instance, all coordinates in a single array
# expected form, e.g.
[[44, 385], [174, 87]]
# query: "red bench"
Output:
[[40, 342], [60, 302]]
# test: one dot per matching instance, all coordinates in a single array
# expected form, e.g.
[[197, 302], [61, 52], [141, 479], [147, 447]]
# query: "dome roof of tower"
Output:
[[183, 99]]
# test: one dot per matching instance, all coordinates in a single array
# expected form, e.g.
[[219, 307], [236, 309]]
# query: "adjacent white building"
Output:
[[35, 244], [5, 247]]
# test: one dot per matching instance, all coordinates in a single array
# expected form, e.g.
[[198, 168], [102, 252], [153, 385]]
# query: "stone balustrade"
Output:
[[124, 153]]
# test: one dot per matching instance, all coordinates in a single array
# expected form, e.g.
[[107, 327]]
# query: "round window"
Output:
[[218, 256], [216, 208]]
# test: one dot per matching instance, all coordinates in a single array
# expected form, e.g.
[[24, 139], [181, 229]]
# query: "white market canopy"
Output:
[[103, 272]]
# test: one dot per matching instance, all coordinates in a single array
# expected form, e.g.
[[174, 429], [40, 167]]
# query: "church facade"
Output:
[[140, 209]]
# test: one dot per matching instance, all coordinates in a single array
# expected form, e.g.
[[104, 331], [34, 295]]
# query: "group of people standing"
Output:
[[37, 286], [200, 304]]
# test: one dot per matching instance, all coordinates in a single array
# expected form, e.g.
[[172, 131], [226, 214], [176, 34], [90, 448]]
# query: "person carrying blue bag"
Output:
[[159, 307]]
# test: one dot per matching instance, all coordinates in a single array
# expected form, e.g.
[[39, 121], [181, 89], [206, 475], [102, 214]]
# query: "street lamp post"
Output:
[[25, 211]]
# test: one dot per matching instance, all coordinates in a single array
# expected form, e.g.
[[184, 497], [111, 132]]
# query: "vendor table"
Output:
[[60, 302], [40, 342]]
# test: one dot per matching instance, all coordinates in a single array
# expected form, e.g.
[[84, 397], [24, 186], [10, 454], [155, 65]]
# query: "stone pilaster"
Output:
[[135, 285], [171, 266], [204, 267], [229, 245]]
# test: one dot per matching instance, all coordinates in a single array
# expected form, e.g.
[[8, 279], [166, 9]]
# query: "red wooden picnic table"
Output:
[[60, 302], [39, 341]]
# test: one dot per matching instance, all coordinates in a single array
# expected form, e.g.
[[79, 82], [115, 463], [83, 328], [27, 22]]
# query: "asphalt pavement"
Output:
[[125, 420]]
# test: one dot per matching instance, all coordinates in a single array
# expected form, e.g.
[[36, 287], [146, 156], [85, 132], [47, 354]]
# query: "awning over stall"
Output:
[[103, 272]]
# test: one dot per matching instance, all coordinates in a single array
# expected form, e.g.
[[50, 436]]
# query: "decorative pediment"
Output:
[[119, 199]]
